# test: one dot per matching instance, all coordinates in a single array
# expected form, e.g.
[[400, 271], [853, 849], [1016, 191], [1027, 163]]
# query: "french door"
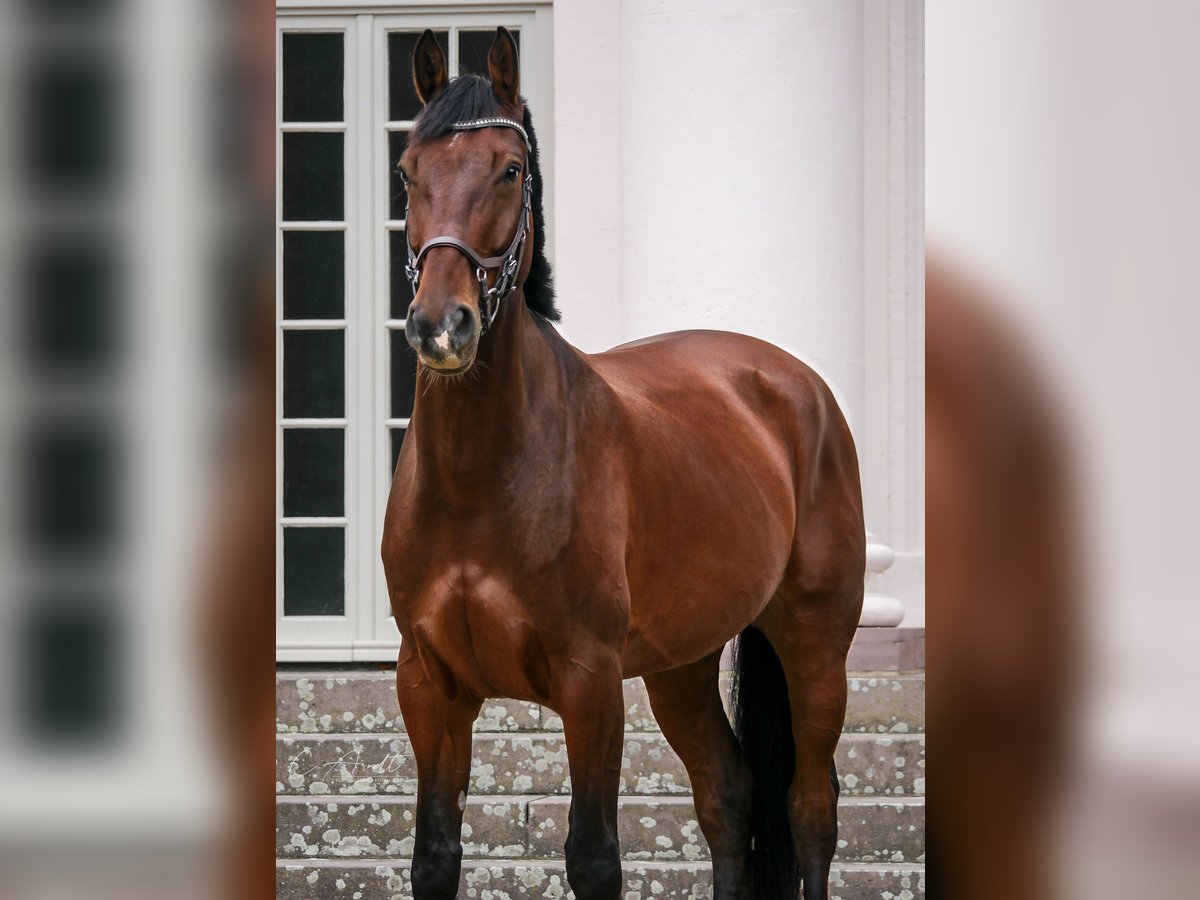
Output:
[[345, 385]]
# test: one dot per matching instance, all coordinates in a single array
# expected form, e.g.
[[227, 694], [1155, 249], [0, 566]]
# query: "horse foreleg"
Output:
[[592, 707], [687, 704], [439, 729]]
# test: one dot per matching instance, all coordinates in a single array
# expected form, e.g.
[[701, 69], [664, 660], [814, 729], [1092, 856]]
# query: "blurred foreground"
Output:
[[136, 449], [1062, 203]]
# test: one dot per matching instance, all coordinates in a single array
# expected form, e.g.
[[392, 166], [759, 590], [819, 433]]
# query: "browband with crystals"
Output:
[[493, 122]]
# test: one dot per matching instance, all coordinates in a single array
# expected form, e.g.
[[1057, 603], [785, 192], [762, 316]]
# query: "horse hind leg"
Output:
[[687, 704], [811, 634]]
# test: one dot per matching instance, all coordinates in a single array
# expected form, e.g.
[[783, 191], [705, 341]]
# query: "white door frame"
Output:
[[366, 632]]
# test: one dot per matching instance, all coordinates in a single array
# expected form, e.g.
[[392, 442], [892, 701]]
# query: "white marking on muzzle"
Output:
[[442, 341]]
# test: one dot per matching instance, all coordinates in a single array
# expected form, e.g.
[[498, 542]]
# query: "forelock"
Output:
[[465, 98]]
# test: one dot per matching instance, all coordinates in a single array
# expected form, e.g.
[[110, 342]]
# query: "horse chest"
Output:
[[473, 632]]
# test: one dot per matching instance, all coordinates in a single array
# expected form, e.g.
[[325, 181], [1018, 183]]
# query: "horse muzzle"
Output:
[[447, 344]]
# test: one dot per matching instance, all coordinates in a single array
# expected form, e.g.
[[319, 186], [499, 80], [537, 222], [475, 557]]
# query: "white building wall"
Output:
[[756, 168]]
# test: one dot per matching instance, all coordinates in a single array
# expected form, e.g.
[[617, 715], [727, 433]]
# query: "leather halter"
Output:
[[508, 263]]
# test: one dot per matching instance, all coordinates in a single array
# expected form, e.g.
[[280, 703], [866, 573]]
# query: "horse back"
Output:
[[732, 393]]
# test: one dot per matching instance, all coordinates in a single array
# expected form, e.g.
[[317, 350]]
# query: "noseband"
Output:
[[508, 263]]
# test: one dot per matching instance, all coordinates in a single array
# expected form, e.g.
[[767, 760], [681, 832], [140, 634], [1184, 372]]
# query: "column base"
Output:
[[880, 611]]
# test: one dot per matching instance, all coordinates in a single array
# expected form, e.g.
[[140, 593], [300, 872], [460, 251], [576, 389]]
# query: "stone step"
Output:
[[339, 702], [370, 879], [665, 829], [650, 829], [536, 763]]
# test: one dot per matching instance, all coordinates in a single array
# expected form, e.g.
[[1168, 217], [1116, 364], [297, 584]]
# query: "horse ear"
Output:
[[429, 67], [504, 69]]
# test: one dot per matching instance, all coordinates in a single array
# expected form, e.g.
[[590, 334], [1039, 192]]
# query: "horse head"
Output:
[[467, 173]]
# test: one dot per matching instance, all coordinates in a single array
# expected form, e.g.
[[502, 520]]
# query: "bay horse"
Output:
[[559, 521]]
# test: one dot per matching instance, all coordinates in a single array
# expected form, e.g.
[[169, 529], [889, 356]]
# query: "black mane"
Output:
[[471, 97]]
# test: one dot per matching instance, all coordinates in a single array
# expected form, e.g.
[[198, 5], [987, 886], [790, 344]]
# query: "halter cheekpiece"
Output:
[[508, 263]]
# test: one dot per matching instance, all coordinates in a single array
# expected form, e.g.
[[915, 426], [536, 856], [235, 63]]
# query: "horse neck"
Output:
[[465, 427]]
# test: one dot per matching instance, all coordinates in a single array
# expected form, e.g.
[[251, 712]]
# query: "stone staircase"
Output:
[[346, 783]]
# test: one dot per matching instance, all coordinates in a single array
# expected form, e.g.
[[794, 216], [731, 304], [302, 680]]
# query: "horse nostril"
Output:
[[462, 327], [415, 328]]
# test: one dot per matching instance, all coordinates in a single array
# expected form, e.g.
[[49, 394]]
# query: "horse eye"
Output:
[[403, 176], [511, 173]]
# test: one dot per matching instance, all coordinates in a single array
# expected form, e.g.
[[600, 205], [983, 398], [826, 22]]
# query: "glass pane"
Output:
[[397, 140], [312, 177], [70, 688], [313, 374], [313, 69], [473, 47], [402, 96], [72, 120], [71, 305], [314, 275], [314, 474], [72, 12], [404, 376], [72, 488], [402, 294], [314, 571], [397, 439]]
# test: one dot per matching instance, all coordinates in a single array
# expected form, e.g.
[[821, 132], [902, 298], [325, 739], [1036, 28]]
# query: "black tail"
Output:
[[762, 720]]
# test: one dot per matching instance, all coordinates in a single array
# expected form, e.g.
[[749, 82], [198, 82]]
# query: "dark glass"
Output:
[[72, 488], [313, 180], [314, 472], [401, 290], [313, 68], [396, 436], [473, 47], [402, 96], [314, 571], [314, 274], [72, 306], [70, 686], [397, 140], [314, 382], [404, 376], [73, 12], [72, 120]]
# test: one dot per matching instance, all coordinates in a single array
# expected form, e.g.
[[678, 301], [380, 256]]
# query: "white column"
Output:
[[586, 223], [742, 132]]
